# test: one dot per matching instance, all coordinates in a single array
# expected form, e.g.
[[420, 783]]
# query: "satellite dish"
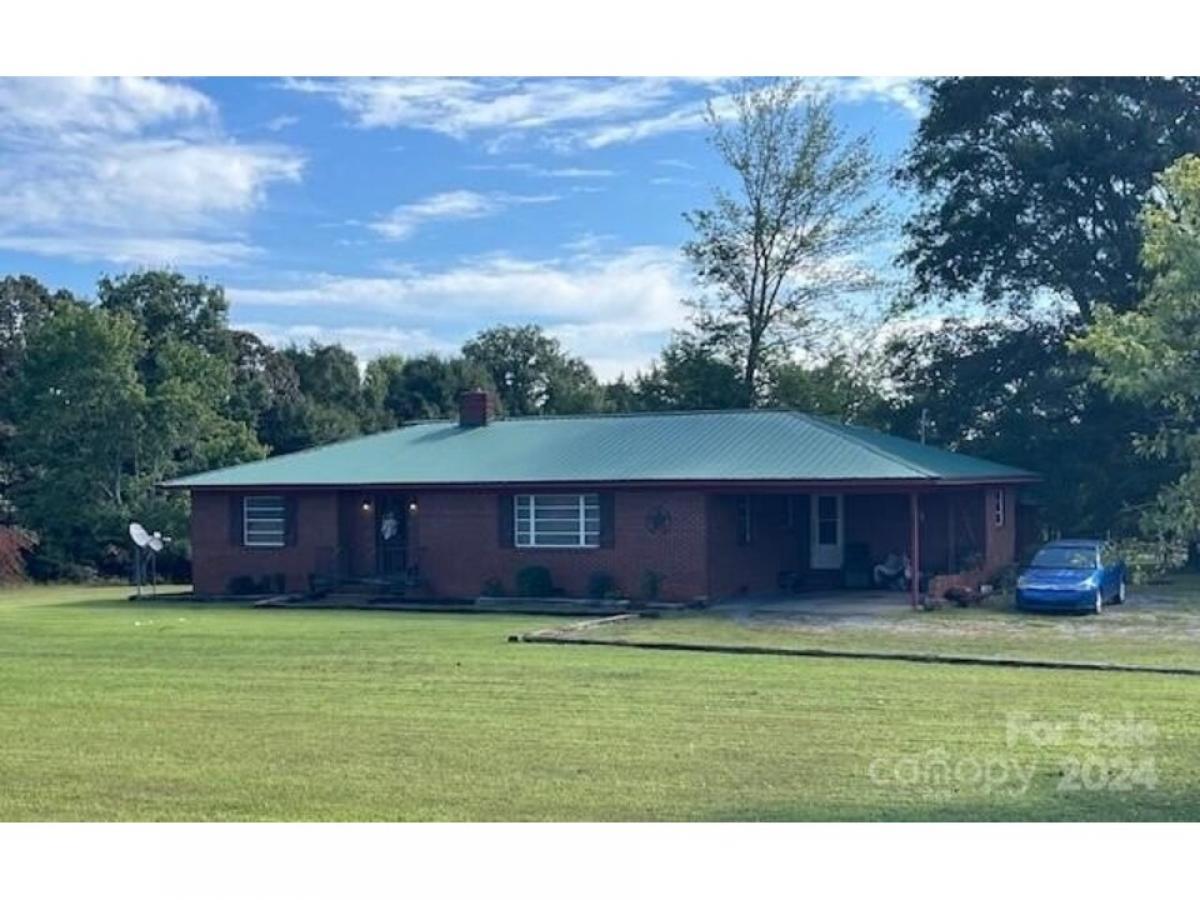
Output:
[[148, 547], [140, 535]]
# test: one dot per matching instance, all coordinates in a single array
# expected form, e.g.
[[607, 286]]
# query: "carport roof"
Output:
[[735, 446]]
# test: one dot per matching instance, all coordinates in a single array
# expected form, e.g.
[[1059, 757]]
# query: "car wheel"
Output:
[[1098, 605], [1121, 591]]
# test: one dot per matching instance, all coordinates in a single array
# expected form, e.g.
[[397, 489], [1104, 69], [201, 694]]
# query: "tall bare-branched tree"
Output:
[[770, 252]]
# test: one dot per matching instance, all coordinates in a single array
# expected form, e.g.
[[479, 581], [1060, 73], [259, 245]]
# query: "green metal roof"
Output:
[[739, 445]]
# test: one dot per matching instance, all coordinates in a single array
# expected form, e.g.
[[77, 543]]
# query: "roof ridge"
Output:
[[847, 432], [631, 414]]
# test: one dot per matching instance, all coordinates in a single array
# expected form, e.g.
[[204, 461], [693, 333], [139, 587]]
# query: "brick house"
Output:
[[714, 503]]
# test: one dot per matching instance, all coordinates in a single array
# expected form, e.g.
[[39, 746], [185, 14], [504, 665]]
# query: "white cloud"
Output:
[[281, 122], [127, 170], [460, 106], [403, 221], [165, 183], [566, 113], [365, 343], [79, 107], [616, 309], [525, 168], [901, 92], [134, 251]]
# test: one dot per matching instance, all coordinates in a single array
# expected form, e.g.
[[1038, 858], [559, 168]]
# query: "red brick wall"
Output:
[[216, 558], [1001, 541], [456, 541]]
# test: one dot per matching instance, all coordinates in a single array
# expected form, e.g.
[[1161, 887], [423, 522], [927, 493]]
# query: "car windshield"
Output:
[[1065, 558]]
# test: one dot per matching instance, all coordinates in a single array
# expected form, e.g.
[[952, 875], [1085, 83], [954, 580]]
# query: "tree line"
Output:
[[1043, 312]]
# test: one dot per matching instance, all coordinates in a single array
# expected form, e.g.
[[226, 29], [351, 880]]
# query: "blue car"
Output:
[[1078, 575]]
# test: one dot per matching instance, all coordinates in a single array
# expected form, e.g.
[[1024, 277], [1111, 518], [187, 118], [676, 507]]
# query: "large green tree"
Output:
[[421, 387], [325, 405], [1151, 354], [81, 412], [772, 251], [842, 387], [1012, 391], [532, 373], [687, 375], [1030, 188]]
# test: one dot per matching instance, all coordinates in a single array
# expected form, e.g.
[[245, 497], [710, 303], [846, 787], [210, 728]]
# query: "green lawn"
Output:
[[117, 710]]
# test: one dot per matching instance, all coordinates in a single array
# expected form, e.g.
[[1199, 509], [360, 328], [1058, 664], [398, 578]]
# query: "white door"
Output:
[[827, 531]]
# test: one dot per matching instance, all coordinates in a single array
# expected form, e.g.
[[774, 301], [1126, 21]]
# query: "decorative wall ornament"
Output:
[[658, 520]]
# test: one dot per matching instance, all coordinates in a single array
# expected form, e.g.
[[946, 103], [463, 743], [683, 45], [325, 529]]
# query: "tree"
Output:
[[80, 411], [168, 307], [689, 375], [423, 387], [532, 373], [768, 253], [1149, 354], [840, 387], [1031, 187], [25, 303], [264, 380], [1012, 391], [326, 405]]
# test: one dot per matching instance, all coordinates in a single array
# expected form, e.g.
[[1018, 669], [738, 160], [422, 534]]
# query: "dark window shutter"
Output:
[[608, 524], [505, 520], [236, 535], [289, 513]]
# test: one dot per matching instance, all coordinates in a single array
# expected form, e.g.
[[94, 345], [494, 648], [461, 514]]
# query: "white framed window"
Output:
[[557, 520], [264, 521], [998, 507]]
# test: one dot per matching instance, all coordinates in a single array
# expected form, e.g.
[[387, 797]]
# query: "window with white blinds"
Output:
[[557, 520], [264, 521]]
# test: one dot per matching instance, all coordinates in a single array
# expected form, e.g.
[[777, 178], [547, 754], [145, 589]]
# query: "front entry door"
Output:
[[828, 531], [391, 534]]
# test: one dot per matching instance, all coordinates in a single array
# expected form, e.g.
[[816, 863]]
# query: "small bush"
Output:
[[14, 543], [493, 587], [601, 586], [652, 585], [244, 585], [1147, 560], [1006, 579], [240, 585], [535, 581]]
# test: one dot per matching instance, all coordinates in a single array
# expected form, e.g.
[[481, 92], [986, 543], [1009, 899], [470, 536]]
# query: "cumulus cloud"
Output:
[[80, 107], [127, 170], [615, 308], [403, 221]]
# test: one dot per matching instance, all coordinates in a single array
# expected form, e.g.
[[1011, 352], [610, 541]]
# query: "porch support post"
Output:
[[914, 552]]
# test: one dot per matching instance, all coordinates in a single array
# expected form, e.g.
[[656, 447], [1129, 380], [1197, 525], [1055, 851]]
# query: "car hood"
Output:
[[1057, 577]]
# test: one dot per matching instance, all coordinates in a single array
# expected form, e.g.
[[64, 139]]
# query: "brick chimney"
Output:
[[474, 408]]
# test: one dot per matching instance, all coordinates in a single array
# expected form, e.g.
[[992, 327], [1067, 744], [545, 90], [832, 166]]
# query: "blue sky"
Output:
[[393, 215]]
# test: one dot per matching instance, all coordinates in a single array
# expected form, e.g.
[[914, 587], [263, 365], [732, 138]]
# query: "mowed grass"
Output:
[[113, 710]]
